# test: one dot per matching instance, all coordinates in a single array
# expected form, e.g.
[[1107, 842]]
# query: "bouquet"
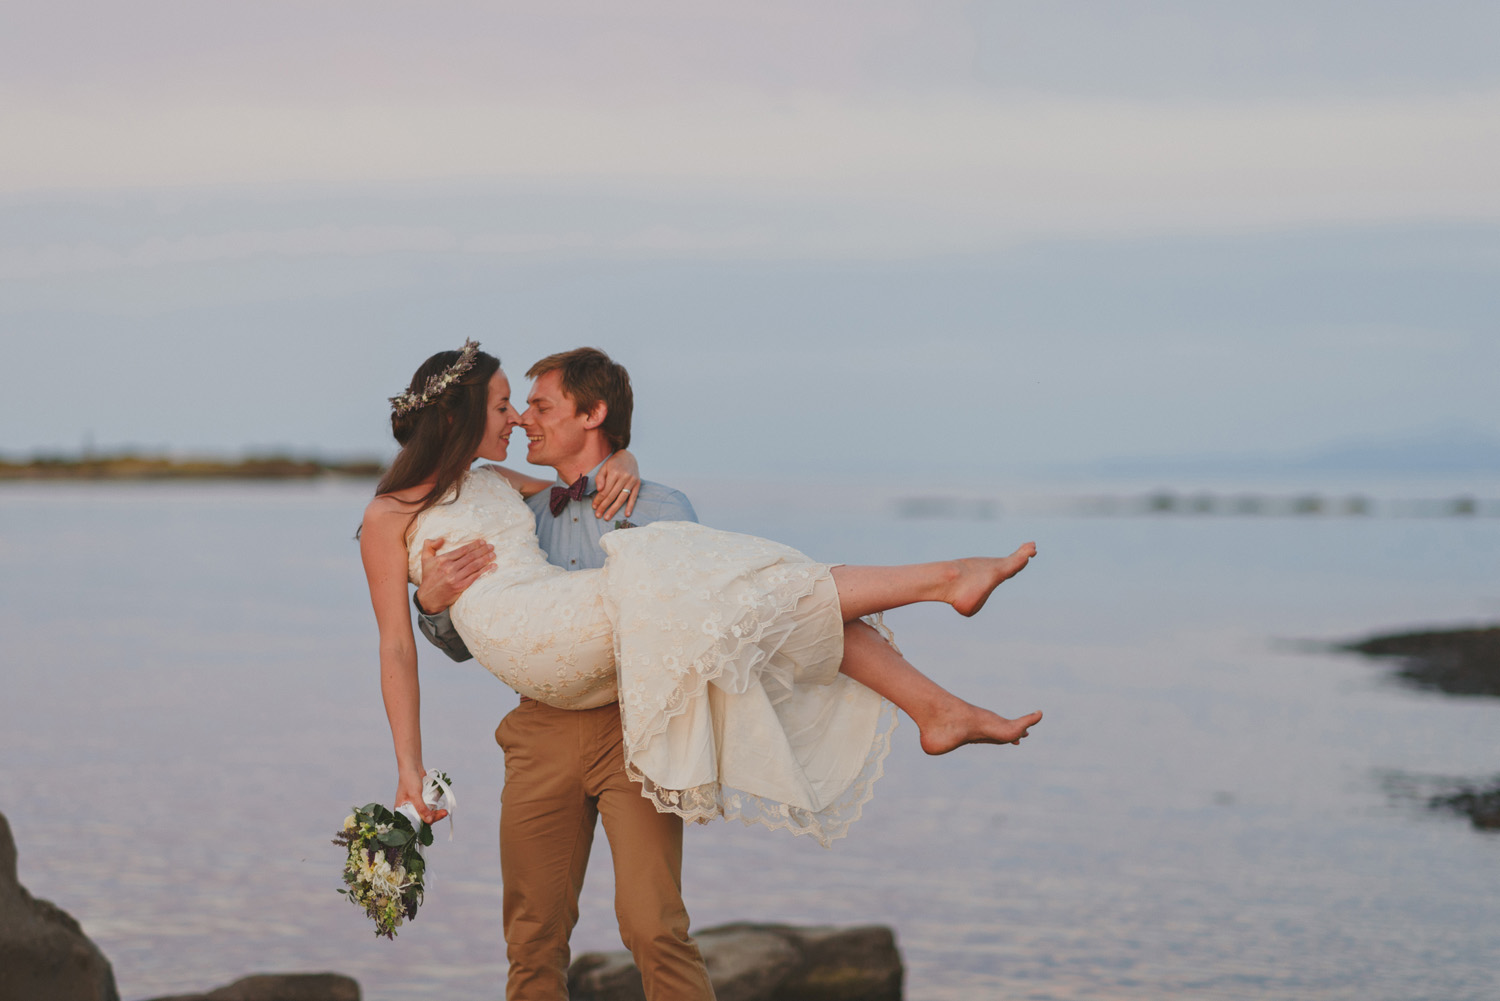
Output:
[[384, 868]]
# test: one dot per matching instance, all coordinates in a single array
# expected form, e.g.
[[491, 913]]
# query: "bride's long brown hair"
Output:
[[441, 438]]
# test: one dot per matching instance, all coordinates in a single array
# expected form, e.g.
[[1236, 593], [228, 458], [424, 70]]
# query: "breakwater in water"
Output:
[[1162, 503]]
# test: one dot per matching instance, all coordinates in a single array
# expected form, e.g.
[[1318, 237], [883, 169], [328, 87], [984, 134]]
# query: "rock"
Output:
[[746, 962], [847, 964], [44, 954], [280, 987], [1478, 799], [1456, 661], [1480, 805], [758, 962]]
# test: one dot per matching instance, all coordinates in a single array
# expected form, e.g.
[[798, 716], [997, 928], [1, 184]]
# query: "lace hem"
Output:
[[706, 802], [703, 803], [725, 648]]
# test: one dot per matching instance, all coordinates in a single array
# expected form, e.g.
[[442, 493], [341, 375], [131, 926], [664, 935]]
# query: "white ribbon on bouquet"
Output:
[[436, 794]]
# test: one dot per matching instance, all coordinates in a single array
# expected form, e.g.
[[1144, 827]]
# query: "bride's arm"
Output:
[[525, 485], [617, 486], [382, 547]]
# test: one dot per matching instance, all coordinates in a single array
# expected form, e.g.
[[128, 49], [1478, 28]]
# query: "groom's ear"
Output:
[[596, 415]]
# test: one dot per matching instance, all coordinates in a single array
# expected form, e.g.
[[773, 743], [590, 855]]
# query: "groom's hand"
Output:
[[445, 576]]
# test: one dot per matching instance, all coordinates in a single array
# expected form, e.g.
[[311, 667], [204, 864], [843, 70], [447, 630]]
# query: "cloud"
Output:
[[848, 128], [331, 241], [941, 172], [610, 54], [90, 256]]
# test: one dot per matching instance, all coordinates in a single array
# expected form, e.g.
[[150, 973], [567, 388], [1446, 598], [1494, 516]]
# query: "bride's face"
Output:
[[499, 421]]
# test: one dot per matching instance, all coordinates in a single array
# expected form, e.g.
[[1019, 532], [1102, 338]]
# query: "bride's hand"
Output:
[[617, 486], [409, 790]]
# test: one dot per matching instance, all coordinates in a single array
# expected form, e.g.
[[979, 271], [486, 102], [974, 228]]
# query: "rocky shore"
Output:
[[1456, 661], [1462, 662], [45, 956], [1479, 803], [765, 962]]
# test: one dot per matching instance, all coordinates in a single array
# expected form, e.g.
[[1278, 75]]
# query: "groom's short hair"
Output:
[[592, 377]]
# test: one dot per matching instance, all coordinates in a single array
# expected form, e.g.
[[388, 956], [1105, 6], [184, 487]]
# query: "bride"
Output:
[[725, 651]]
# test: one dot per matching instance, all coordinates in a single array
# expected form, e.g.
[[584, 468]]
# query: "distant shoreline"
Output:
[[131, 466]]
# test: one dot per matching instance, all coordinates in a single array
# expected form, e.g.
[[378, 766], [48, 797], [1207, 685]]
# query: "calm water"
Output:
[[191, 704]]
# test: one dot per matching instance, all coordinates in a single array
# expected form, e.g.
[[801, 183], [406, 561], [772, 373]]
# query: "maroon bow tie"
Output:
[[561, 495]]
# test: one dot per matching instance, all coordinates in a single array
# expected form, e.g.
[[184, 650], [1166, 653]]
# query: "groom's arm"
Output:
[[444, 577], [438, 628]]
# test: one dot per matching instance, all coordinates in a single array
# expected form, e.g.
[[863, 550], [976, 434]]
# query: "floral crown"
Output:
[[438, 384]]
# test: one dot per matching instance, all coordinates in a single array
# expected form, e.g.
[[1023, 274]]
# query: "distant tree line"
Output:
[[134, 466]]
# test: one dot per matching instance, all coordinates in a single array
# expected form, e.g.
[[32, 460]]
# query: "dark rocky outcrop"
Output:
[[765, 962], [1456, 661], [44, 954], [280, 987], [1479, 803], [1477, 799]]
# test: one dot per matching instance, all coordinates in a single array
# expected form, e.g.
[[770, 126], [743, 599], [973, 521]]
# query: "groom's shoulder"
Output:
[[658, 502]]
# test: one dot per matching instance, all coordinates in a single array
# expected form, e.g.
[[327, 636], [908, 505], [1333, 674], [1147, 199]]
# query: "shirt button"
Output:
[[575, 519], [573, 561]]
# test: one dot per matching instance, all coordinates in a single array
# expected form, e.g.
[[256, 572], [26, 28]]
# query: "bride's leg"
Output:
[[964, 584], [945, 720]]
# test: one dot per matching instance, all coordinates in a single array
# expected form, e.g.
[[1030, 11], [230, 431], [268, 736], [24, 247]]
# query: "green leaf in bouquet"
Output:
[[395, 837], [424, 834]]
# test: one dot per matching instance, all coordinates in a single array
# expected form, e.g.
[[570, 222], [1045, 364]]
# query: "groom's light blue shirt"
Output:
[[571, 541]]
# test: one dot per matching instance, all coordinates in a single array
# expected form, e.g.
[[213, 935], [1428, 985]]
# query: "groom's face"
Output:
[[555, 429]]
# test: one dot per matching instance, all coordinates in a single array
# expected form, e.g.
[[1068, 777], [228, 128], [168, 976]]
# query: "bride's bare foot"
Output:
[[972, 725], [978, 576]]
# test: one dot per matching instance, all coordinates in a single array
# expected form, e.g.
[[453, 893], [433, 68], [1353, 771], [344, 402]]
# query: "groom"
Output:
[[565, 768]]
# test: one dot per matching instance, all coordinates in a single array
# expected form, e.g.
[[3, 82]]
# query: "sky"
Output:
[[943, 240]]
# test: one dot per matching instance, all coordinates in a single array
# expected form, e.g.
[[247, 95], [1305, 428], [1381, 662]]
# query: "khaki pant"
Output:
[[563, 769]]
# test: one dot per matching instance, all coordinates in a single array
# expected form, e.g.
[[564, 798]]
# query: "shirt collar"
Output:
[[592, 474]]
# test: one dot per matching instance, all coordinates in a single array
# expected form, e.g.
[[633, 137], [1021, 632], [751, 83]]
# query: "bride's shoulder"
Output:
[[393, 510], [408, 499], [496, 475], [519, 482]]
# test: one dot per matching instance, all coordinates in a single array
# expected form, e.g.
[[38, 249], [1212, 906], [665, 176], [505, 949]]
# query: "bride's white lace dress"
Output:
[[724, 650]]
